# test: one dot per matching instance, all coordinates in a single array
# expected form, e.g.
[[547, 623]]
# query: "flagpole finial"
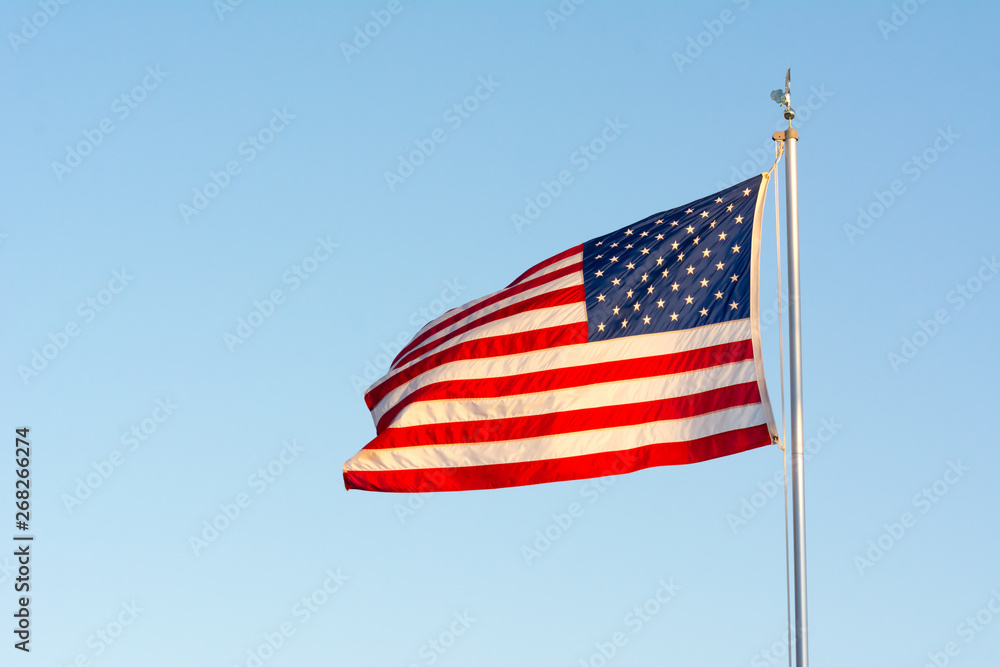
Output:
[[784, 97]]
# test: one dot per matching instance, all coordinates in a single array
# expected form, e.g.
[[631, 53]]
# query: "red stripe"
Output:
[[568, 421], [484, 348], [559, 297], [462, 312], [575, 376], [503, 475], [548, 262]]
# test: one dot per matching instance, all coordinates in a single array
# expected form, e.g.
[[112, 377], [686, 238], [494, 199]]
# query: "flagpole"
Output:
[[790, 138]]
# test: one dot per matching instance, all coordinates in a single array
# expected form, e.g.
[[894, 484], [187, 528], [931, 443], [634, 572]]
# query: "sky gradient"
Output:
[[219, 220]]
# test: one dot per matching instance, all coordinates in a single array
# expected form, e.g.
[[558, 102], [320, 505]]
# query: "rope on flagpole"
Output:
[[779, 149]]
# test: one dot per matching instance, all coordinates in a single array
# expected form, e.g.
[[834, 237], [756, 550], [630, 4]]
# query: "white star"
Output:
[[598, 256], [734, 305], [719, 266], [675, 287], [599, 273], [659, 304], [630, 265], [690, 229], [704, 282], [636, 306], [599, 243], [673, 317], [706, 252], [703, 311], [645, 277], [735, 278], [649, 290], [659, 237], [645, 251], [628, 232], [739, 220], [659, 261], [689, 299], [719, 200], [646, 319], [665, 273], [673, 224], [629, 294], [704, 214], [659, 222], [722, 236], [600, 297], [629, 245], [680, 257], [718, 295], [690, 210], [614, 259], [600, 327], [615, 244], [690, 269], [736, 248], [713, 224], [746, 192], [675, 245], [624, 323], [615, 310], [616, 281], [729, 208], [644, 234], [697, 239]]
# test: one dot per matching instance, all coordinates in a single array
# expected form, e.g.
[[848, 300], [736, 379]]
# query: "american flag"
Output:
[[638, 348]]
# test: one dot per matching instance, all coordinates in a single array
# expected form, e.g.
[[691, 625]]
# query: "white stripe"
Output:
[[566, 356], [561, 264], [559, 283], [539, 318], [621, 392], [557, 446]]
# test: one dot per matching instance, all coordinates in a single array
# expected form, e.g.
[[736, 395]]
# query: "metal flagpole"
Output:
[[790, 138]]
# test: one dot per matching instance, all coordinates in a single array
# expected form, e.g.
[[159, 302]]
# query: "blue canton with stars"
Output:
[[679, 269]]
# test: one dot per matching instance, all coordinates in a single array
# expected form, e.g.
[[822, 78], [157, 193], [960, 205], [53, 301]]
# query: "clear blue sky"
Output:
[[168, 166]]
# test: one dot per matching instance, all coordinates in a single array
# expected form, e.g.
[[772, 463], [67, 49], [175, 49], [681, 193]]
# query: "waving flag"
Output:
[[638, 348]]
